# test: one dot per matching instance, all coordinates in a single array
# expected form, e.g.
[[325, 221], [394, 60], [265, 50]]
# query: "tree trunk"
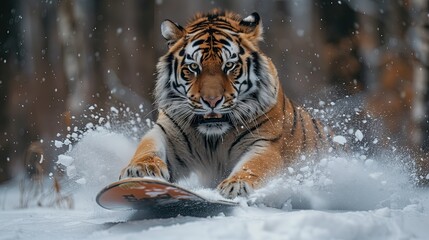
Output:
[[420, 41]]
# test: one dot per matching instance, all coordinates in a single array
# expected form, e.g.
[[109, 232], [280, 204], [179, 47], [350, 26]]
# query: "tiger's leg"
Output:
[[252, 171], [149, 158]]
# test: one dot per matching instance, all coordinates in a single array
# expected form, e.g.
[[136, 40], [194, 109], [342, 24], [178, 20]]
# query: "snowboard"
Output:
[[157, 197]]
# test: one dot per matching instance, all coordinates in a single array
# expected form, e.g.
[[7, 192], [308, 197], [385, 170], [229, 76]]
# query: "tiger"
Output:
[[222, 113]]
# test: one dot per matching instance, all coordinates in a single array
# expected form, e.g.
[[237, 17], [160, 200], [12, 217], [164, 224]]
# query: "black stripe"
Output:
[[273, 140], [171, 94], [319, 134], [197, 153], [198, 42], [247, 81], [182, 52], [169, 170], [176, 86], [162, 128], [304, 136], [259, 70], [240, 73], [180, 161], [181, 131], [284, 104], [227, 36], [213, 16], [226, 49], [211, 143], [167, 85], [257, 65], [198, 35], [167, 161], [245, 133], [236, 88], [175, 66], [204, 26], [169, 60], [252, 145], [241, 50], [224, 42], [183, 75], [292, 132]]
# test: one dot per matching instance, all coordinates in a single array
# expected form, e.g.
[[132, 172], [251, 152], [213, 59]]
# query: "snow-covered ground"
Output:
[[255, 222], [410, 222], [347, 197]]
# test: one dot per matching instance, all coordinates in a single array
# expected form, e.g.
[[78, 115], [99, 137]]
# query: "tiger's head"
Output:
[[214, 76]]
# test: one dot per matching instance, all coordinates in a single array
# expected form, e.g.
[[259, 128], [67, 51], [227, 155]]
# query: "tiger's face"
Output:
[[214, 77]]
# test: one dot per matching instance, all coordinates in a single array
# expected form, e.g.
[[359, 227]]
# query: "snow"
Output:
[[58, 144], [65, 160], [333, 197], [359, 135], [340, 140], [243, 223]]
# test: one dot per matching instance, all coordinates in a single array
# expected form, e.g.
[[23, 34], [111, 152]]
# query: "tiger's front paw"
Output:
[[236, 186], [148, 166]]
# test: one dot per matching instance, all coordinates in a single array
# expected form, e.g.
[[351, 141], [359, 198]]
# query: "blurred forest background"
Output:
[[57, 57]]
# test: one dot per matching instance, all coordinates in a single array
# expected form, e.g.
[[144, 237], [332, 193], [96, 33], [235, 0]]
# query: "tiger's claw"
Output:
[[235, 186], [146, 167]]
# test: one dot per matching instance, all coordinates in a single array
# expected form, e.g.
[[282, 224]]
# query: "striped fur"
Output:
[[222, 112]]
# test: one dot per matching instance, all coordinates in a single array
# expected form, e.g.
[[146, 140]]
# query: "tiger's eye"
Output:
[[194, 66], [229, 64]]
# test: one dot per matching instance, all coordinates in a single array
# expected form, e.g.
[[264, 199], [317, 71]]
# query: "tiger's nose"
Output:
[[212, 101]]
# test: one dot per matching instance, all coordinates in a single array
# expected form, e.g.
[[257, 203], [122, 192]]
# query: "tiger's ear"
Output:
[[252, 27], [171, 31]]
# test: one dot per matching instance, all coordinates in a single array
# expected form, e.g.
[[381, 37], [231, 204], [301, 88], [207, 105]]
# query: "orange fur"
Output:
[[148, 160]]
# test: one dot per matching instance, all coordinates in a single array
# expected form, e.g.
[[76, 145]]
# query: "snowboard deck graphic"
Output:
[[160, 197]]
